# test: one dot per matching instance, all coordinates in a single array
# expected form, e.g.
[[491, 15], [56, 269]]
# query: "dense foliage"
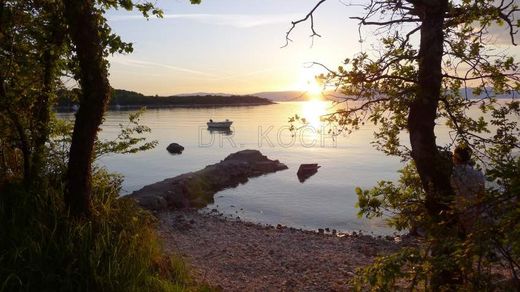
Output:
[[62, 225], [487, 258], [43, 248], [117, 250], [430, 55]]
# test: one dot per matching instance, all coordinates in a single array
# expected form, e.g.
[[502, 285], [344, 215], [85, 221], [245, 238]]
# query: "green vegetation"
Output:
[[484, 259], [62, 225], [125, 99], [430, 53], [44, 249]]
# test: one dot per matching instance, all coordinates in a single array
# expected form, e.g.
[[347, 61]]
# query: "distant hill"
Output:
[[296, 95], [204, 94], [131, 99], [332, 95], [283, 95], [468, 92]]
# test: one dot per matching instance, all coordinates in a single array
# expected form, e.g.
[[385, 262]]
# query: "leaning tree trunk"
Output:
[[433, 168], [83, 28]]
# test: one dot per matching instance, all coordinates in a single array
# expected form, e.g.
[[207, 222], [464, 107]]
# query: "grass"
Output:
[[43, 249]]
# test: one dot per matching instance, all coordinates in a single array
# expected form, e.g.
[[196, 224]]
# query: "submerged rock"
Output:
[[196, 189], [175, 148]]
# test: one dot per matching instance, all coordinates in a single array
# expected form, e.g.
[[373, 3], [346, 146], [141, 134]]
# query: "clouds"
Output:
[[155, 66], [140, 63], [224, 46], [233, 20]]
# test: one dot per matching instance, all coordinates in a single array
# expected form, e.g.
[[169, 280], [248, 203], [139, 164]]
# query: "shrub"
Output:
[[485, 259], [43, 249]]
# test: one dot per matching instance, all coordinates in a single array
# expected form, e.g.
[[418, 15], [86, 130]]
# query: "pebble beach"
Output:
[[233, 255]]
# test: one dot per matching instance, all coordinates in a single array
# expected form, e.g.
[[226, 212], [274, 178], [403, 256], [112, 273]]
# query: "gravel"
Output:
[[240, 256]]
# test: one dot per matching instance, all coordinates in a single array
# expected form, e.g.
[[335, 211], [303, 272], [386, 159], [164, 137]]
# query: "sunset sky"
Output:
[[232, 46]]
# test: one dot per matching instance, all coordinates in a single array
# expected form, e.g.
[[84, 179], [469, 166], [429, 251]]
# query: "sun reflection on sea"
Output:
[[313, 111]]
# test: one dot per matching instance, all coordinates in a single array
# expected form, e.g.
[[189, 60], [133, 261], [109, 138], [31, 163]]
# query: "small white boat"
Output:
[[219, 125]]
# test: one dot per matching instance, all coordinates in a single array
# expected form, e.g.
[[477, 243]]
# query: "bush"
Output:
[[487, 258], [43, 249]]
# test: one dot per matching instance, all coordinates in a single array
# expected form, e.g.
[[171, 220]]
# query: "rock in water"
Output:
[[196, 189], [307, 170], [175, 148]]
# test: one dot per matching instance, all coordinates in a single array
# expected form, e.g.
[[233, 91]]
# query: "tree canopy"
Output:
[[430, 53], [63, 226]]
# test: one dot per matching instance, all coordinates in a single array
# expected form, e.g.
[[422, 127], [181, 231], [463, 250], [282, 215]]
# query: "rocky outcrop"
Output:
[[196, 189], [175, 148]]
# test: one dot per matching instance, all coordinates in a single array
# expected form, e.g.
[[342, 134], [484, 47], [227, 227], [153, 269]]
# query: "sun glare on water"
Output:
[[313, 112], [314, 109]]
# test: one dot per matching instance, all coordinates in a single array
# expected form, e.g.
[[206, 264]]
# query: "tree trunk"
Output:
[[433, 168], [83, 28]]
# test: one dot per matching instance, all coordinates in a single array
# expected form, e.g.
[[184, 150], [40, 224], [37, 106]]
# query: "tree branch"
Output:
[[308, 16], [363, 21], [512, 31]]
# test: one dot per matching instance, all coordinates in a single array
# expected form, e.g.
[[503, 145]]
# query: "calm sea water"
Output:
[[327, 199]]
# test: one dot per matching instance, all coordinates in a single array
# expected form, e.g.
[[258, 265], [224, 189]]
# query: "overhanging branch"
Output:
[[307, 17]]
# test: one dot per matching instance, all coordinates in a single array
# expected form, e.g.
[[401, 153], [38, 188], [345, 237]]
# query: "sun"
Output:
[[314, 90], [310, 85]]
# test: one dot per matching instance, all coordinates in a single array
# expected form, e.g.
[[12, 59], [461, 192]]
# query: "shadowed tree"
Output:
[[435, 60], [40, 42], [32, 40], [92, 41], [83, 21]]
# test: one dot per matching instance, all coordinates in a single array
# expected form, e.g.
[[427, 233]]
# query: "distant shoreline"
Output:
[[130, 100], [65, 109]]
